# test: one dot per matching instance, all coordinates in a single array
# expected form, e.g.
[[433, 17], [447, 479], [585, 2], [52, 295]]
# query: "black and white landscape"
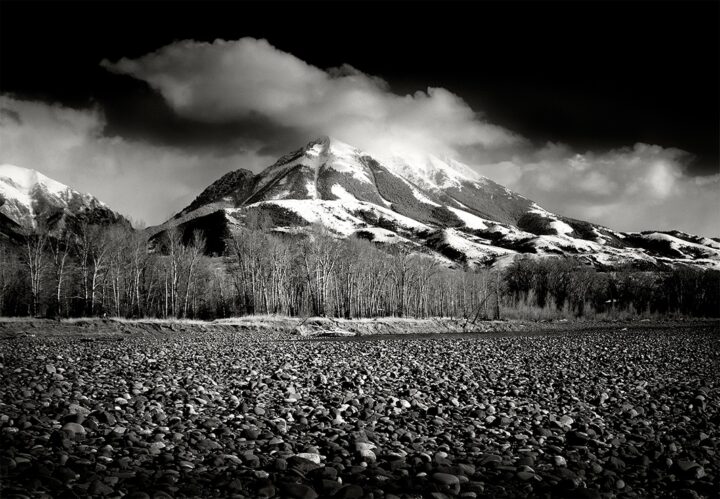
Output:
[[347, 250]]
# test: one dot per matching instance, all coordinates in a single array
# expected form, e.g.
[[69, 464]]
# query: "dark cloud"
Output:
[[201, 109], [595, 75], [146, 181], [230, 81], [143, 115]]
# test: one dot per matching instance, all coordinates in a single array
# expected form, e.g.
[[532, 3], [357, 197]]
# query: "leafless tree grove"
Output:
[[116, 271]]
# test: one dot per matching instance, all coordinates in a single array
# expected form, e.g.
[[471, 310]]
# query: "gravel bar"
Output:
[[609, 411]]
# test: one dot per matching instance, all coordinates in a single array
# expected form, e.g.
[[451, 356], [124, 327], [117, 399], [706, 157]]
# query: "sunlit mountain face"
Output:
[[430, 205], [30, 200]]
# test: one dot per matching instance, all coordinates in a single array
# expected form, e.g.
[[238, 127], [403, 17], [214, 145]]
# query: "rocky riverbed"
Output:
[[579, 411]]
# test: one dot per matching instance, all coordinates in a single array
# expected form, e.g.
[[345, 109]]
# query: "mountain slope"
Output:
[[29, 200], [434, 206]]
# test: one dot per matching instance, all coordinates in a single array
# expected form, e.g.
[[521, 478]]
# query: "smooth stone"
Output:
[[74, 429], [310, 456], [447, 480], [368, 455], [525, 475]]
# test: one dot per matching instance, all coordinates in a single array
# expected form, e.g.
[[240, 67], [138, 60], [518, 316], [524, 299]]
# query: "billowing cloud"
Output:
[[234, 80], [643, 187], [231, 86], [632, 188], [143, 181]]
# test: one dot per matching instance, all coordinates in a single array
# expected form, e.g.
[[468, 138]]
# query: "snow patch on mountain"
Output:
[[330, 214], [563, 243], [683, 246], [561, 227], [471, 221], [380, 235], [420, 196], [474, 251], [315, 150], [706, 241], [340, 216], [343, 195]]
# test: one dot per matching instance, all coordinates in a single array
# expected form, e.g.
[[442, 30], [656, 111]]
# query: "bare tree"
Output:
[[35, 260], [60, 251], [401, 270], [193, 253], [174, 250]]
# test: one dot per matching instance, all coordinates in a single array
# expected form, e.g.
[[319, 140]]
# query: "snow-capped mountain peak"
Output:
[[332, 154], [329, 145], [431, 172], [29, 198], [19, 183], [433, 205]]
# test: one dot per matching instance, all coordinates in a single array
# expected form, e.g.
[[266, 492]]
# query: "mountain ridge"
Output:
[[437, 207], [30, 200], [434, 206]]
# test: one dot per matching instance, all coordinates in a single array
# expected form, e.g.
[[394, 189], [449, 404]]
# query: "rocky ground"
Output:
[[579, 411]]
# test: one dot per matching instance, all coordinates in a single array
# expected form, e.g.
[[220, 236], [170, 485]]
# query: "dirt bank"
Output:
[[292, 328]]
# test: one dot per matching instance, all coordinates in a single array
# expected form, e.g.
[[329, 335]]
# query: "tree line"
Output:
[[565, 286], [92, 270]]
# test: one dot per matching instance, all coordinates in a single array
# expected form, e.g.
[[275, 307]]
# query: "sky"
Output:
[[607, 112]]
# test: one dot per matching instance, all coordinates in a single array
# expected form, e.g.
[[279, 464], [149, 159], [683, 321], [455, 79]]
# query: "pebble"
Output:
[[368, 455], [310, 456], [447, 481], [566, 421], [581, 417], [525, 475], [74, 429]]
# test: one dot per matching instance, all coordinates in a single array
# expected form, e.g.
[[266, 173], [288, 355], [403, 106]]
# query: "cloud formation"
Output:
[[234, 80], [143, 181], [233, 85], [632, 188], [643, 187]]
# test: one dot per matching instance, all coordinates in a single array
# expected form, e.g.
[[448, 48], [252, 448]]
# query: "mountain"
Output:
[[432, 205], [29, 199]]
